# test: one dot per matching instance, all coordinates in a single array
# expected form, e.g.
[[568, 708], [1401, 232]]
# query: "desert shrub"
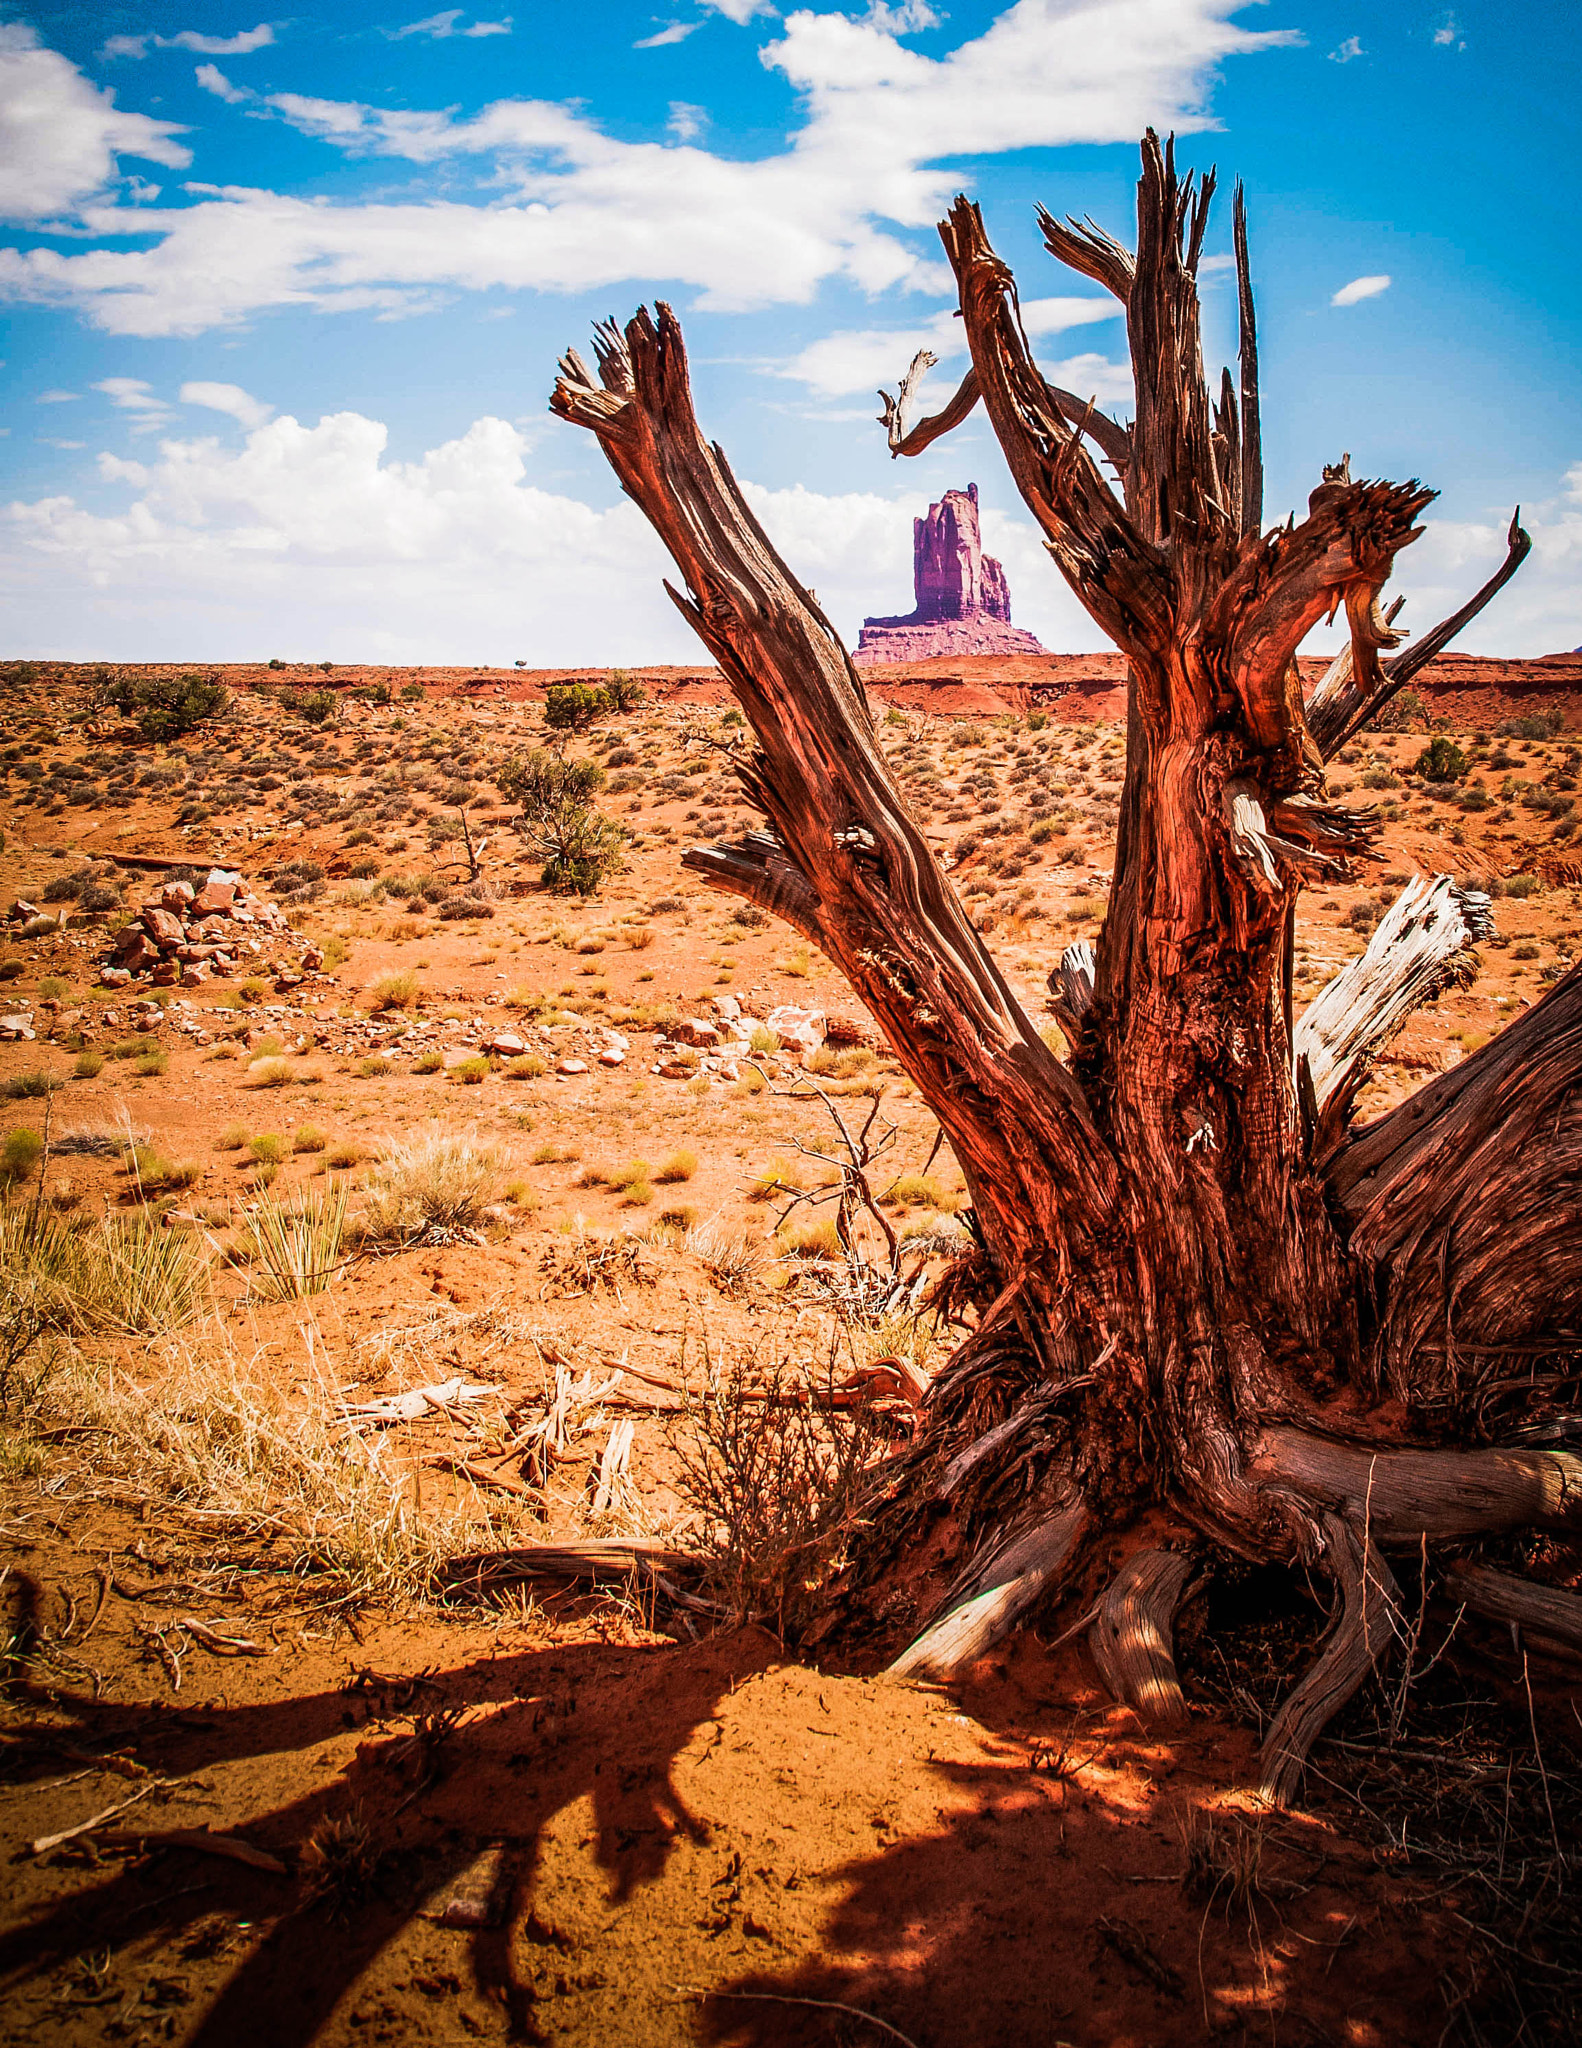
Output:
[[1521, 886], [430, 1062], [232, 1139], [810, 1237], [775, 1476], [88, 1065], [316, 706], [267, 1149], [295, 1251], [20, 1154], [412, 693], [150, 1064], [27, 1087], [679, 1166], [341, 1156], [471, 1072], [1404, 713], [455, 908], [397, 991], [308, 1138], [432, 1186], [165, 707], [572, 707], [270, 1072], [527, 1066], [1441, 760], [558, 820], [1536, 725]]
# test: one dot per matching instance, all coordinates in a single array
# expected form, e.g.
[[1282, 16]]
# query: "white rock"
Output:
[[571, 1067], [793, 1026]]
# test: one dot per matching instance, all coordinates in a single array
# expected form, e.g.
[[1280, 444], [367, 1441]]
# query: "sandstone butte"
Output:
[[963, 602]]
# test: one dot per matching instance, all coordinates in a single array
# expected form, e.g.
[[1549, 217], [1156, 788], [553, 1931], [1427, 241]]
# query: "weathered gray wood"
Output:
[[995, 1597], [1421, 946], [1401, 1496]]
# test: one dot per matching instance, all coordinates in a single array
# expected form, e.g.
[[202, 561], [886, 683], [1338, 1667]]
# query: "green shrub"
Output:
[[150, 1064], [1441, 760], [21, 1153], [165, 707], [558, 819], [318, 707], [572, 707], [267, 1149], [394, 991], [471, 1072], [428, 1062], [88, 1065], [308, 1138]]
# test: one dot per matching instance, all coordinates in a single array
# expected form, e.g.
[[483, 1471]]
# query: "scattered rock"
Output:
[[695, 1031], [507, 1043], [571, 1066], [13, 1028], [805, 1029]]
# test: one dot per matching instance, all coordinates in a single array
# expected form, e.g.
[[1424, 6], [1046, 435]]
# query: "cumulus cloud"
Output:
[[872, 359], [60, 136], [312, 540], [1345, 52], [1361, 288], [570, 208], [1538, 612]]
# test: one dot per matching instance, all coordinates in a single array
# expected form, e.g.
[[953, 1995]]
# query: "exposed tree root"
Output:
[[1368, 1618], [1499, 1596], [1403, 1496], [994, 1594], [1131, 1640]]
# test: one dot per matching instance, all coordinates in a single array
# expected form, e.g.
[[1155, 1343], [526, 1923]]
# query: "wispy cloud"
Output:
[[135, 396], [1346, 52], [1361, 288], [192, 39], [672, 32], [228, 398], [868, 359], [687, 122], [438, 28], [214, 80], [1447, 34], [56, 397]]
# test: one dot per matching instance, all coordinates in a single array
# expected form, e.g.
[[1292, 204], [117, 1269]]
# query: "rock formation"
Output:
[[963, 601]]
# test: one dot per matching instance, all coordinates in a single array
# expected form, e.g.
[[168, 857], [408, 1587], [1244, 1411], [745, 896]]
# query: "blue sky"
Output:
[[283, 297]]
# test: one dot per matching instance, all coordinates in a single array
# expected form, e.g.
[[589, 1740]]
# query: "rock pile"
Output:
[[187, 934]]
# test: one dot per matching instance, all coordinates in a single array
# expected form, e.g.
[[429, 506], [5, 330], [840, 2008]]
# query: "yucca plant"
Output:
[[295, 1248]]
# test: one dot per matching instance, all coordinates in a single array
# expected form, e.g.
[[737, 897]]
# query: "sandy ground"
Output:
[[575, 1817]]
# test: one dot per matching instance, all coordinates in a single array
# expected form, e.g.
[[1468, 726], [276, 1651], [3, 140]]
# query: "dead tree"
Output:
[[1203, 1294]]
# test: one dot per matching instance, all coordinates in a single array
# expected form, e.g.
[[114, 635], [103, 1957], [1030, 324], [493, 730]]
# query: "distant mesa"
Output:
[[963, 600]]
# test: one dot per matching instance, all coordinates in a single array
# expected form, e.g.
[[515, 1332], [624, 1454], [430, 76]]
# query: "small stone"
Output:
[[507, 1043], [571, 1067], [611, 1056], [695, 1031], [727, 1008], [12, 1028]]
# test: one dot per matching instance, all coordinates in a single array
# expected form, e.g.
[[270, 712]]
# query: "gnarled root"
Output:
[[1368, 1617], [1498, 1596], [1131, 1640], [1002, 1583], [1403, 1496]]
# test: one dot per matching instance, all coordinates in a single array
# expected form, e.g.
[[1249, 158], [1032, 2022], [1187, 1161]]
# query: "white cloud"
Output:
[[672, 32], [581, 209], [1344, 52], [437, 28], [214, 80], [1361, 288], [311, 540], [741, 11], [910, 18], [228, 398], [135, 396], [192, 39], [1538, 612], [56, 397], [60, 135], [686, 122], [871, 359], [1447, 34]]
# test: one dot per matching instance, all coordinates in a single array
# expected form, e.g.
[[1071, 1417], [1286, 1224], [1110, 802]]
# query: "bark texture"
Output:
[[1190, 1274]]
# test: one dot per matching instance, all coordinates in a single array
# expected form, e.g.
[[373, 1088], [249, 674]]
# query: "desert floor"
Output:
[[530, 1808]]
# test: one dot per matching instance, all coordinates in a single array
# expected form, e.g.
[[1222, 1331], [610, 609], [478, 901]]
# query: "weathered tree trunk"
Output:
[[1192, 1277]]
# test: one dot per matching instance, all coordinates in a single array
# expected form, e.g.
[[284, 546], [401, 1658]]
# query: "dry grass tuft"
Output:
[[430, 1189], [124, 1276]]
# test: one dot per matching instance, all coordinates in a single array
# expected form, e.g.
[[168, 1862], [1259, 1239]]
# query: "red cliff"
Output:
[[963, 602]]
